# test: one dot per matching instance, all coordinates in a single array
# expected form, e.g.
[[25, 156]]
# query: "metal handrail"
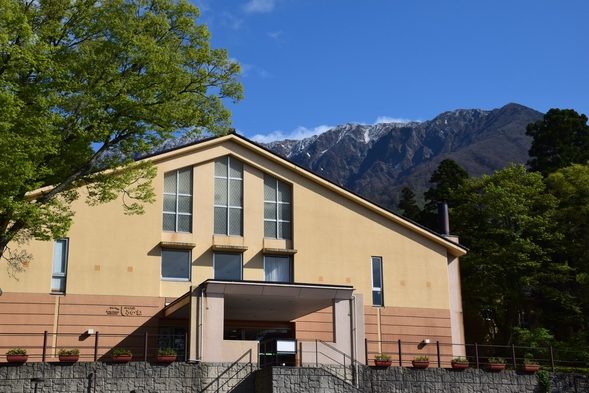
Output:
[[92, 349]]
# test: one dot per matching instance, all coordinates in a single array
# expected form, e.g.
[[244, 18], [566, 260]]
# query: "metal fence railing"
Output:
[[95, 346], [478, 355]]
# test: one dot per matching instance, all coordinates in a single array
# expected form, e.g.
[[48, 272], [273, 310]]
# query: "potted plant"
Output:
[[420, 361], [530, 365], [382, 360], [459, 363], [17, 355], [69, 355], [496, 364], [166, 355], [121, 355]]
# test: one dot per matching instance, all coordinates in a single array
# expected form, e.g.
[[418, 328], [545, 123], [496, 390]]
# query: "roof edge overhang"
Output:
[[452, 247], [262, 287]]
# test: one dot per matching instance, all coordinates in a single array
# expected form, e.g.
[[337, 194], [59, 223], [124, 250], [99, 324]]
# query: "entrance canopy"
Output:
[[264, 301]]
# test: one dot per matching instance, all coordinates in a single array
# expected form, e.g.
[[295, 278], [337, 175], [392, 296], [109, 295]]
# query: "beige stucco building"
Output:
[[241, 246]]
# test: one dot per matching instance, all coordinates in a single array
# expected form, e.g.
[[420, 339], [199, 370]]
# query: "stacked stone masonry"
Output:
[[139, 377]]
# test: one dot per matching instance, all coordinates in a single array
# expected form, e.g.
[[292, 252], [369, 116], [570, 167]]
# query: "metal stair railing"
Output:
[[350, 366]]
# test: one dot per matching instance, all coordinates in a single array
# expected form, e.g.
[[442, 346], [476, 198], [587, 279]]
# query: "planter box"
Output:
[[530, 368], [121, 358], [166, 358], [382, 363], [17, 358], [69, 358], [496, 366], [420, 364], [460, 366]]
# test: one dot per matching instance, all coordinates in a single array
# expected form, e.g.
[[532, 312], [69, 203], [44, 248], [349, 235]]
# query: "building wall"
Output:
[[385, 326], [120, 320], [335, 235]]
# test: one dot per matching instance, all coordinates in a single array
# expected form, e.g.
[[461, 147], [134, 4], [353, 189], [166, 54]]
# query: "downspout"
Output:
[[200, 336], [354, 339], [199, 329]]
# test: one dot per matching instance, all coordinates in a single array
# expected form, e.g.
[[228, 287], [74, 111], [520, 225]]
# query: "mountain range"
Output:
[[378, 161]]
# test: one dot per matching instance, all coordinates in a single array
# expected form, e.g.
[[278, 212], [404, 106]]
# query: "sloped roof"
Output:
[[452, 247]]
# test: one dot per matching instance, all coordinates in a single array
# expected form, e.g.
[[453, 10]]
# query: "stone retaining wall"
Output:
[[410, 380], [140, 377], [137, 377]]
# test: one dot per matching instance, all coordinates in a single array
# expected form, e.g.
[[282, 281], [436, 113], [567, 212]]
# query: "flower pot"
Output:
[[166, 358], [17, 358], [496, 366], [530, 368], [382, 363], [69, 358], [459, 366], [121, 358], [420, 364]]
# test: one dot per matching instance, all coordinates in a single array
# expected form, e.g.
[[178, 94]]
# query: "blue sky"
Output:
[[309, 65]]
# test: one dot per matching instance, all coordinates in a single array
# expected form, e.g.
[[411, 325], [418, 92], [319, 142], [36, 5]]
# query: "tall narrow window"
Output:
[[228, 197], [377, 294], [277, 268], [178, 201], [60, 252], [227, 266], [277, 208]]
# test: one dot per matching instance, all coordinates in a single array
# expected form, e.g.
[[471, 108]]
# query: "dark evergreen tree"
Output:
[[559, 140], [447, 177], [408, 206]]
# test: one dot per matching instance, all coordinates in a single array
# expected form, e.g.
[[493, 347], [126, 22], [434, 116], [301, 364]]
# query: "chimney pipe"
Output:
[[443, 220]]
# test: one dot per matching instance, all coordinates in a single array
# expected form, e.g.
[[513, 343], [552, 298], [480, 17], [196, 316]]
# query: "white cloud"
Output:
[[202, 5], [387, 119], [231, 21], [275, 34], [259, 6], [298, 134], [251, 69]]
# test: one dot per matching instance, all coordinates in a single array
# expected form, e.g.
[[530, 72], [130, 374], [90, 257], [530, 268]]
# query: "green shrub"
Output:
[[166, 351], [121, 352], [74, 351], [543, 380], [382, 356], [529, 361], [496, 361], [421, 358], [17, 351]]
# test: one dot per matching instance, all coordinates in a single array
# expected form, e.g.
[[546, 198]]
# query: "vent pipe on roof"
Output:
[[443, 220]]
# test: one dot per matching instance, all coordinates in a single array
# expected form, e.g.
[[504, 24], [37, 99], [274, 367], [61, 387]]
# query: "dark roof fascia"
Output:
[[293, 284]]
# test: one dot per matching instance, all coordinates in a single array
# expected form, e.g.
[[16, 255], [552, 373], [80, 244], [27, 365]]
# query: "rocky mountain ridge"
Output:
[[377, 161]]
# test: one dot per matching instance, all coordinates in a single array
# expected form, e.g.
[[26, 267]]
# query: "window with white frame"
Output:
[[176, 264], [227, 266], [228, 197], [277, 208], [377, 293], [60, 257], [178, 201], [278, 268]]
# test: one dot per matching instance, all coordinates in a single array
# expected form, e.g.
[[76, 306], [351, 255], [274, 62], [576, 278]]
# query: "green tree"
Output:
[[507, 222], [447, 177], [560, 139], [571, 186], [80, 79], [408, 205]]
